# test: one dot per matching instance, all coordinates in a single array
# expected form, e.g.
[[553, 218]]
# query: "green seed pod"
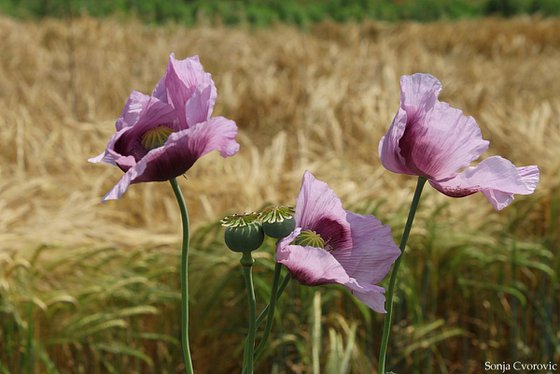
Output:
[[244, 238], [280, 229], [278, 222]]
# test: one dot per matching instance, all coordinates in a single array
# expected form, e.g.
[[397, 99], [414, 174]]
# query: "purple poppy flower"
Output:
[[332, 245], [429, 138], [160, 137]]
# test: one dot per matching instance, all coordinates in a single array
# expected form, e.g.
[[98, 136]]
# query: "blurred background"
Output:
[[87, 287]]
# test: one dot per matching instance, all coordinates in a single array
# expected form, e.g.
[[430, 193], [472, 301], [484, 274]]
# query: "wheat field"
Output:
[[90, 287]]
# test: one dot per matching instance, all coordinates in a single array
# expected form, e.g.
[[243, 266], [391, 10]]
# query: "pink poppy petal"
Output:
[[125, 162], [311, 266], [372, 295], [182, 78], [319, 209], [160, 91], [443, 142], [373, 251], [284, 242], [132, 110], [99, 158], [178, 69], [497, 178], [155, 113], [146, 170], [122, 185], [216, 134], [389, 149], [419, 94], [110, 156], [198, 107], [183, 148]]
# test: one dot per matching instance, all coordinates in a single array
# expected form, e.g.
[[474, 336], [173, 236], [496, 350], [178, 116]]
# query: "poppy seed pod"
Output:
[[243, 232], [279, 230], [278, 222]]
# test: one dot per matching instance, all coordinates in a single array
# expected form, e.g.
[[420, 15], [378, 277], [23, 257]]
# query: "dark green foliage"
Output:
[[109, 310], [266, 12]]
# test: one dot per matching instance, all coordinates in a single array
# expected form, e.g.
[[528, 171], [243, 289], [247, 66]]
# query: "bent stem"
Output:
[[184, 278], [247, 263], [281, 289], [264, 313], [392, 281], [271, 305]]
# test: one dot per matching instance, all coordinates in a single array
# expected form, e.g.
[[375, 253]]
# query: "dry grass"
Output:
[[317, 100]]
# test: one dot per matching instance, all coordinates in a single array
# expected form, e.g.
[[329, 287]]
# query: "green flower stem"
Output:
[[392, 281], [281, 289], [272, 304], [30, 349], [264, 312], [184, 278], [247, 263]]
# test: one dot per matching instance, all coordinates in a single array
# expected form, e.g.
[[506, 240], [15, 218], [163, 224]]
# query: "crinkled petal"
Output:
[[132, 110], [122, 185], [389, 149], [372, 295], [160, 91], [216, 134], [497, 178], [311, 266], [197, 109], [428, 137], [373, 251], [181, 80], [110, 156], [443, 142], [419, 94], [100, 157], [320, 210]]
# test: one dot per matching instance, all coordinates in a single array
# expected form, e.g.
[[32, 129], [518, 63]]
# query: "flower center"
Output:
[[310, 238], [156, 137]]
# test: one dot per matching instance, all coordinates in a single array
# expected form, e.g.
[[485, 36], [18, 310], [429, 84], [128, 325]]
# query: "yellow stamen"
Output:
[[156, 137]]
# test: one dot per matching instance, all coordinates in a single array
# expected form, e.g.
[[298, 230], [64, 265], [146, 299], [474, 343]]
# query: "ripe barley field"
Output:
[[87, 287]]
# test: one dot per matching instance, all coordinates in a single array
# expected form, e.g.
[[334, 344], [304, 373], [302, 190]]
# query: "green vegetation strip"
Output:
[[263, 13]]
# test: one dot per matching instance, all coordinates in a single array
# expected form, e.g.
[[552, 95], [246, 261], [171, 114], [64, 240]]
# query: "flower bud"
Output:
[[243, 232], [278, 222]]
